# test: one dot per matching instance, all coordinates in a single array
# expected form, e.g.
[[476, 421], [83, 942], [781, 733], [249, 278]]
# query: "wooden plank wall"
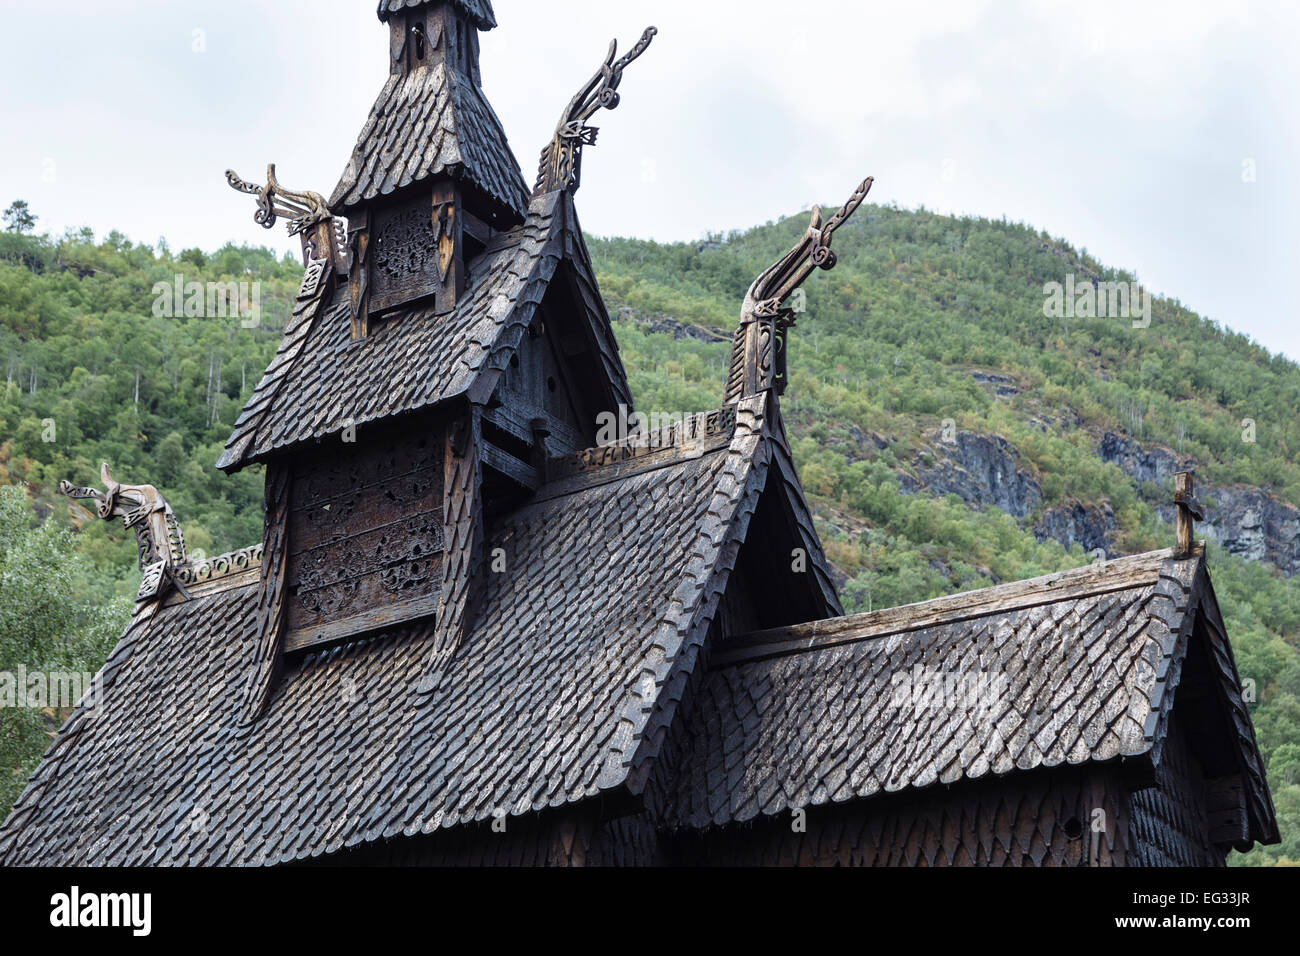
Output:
[[1045, 818]]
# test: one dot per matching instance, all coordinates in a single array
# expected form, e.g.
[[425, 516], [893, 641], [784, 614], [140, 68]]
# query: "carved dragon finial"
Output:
[[561, 162], [302, 209], [324, 235], [758, 355], [144, 510]]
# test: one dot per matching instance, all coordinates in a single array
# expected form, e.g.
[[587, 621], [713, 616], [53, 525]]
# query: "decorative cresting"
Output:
[[324, 235], [222, 566], [157, 532], [758, 348], [561, 163]]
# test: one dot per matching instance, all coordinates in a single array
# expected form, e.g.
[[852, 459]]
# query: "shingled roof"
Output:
[[321, 380], [424, 123], [564, 689], [1066, 669], [479, 11]]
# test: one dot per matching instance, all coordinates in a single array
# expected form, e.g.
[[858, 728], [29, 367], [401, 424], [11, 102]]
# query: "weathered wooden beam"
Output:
[[1189, 511], [515, 416], [1140, 571], [502, 462], [373, 619]]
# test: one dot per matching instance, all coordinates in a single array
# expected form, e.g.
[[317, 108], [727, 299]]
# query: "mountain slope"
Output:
[[949, 434]]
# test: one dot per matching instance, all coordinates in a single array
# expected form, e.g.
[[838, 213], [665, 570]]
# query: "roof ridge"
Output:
[[693, 436], [1119, 574]]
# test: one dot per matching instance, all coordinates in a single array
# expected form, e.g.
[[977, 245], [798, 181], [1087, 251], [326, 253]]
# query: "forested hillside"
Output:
[[949, 435]]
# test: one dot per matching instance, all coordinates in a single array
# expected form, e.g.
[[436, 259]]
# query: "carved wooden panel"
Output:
[[404, 254], [365, 533]]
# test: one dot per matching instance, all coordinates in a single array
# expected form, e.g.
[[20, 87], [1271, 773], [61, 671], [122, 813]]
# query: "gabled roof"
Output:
[[563, 689], [479, 11], [321, 380], [1066, 669], [424, 123]]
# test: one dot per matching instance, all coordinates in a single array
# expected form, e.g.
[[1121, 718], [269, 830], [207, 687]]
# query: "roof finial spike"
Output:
[[1189, 512], [758, 360], [561, 162]]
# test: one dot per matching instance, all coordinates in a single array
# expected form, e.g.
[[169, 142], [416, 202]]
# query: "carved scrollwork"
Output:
[[758, 358], [302, 209], [223, 565], [561, 161], [159, 540]]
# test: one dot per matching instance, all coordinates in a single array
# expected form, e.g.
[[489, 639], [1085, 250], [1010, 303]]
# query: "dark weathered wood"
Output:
[[272, 605], [1188, 511], [561, 162], [370, 620], [521, 473], [758, 359], [159, 540], [515, 416], [366, 528], [463, 536], [586, 621], [1101, 579]]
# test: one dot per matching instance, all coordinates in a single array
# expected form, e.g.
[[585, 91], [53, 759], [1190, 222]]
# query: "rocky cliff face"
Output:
[[1154, 464], [1247, 522], [987, 471], [982, 470], [1251, 524], [1089, 526]]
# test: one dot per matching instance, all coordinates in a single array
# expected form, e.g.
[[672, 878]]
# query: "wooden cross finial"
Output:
[[1189, 511]]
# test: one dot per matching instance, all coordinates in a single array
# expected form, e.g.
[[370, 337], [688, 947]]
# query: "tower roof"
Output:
[[318, 383], [426, 123], [479, 11]]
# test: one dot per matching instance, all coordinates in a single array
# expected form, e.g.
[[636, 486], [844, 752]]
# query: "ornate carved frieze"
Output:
[[412, 249], [365, 535], [222, 566], [696, 433]]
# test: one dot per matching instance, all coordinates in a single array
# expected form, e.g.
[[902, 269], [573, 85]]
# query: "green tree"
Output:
[[18, 217], [44, 628]]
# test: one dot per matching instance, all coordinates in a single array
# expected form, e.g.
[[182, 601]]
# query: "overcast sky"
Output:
[[1132, 129]]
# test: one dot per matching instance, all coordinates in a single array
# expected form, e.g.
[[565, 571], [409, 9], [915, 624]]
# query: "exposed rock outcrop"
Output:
[[1003, 386], [981, 470], [1247, 522], [1141, 463], [668, 326], [1089, 526], [1251, 524]]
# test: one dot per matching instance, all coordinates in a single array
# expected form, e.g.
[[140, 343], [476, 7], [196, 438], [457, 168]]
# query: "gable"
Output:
[[1074, 668], [549, 700], [324, 380]]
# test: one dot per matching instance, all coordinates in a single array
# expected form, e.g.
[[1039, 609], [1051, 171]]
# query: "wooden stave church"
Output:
[[471, 635]]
